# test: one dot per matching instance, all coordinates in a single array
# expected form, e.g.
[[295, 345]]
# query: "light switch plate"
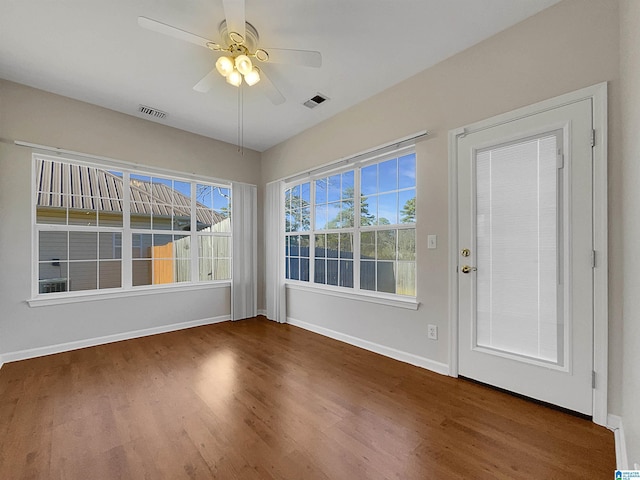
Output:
[[432, 241]]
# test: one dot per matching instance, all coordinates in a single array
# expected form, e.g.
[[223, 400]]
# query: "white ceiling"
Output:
[[94, 50]]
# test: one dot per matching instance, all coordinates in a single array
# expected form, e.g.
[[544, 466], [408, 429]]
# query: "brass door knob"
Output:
[[467, 269]]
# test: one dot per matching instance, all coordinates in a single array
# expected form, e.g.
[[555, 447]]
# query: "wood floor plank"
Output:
[[265, 401]]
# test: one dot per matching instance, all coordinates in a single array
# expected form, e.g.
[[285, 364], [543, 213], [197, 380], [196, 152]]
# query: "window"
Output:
[[360, 233], [99, 228]]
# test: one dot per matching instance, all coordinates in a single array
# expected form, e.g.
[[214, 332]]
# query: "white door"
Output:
[[525, 238]]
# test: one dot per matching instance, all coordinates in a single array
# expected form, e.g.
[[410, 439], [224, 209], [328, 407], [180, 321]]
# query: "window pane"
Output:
[[294, 244], [407, 206], [53, 277], [368, 210], [162, 246], [294, 268], [304, 269], [221, 269], [295, 198], [321, 251], [346, 245], [140, 215], [367, 275], [333, 215], [204, 196], [83, 276], [386, 245], [369, 180], [386, 277], [305, 194], [346, 219], [347, 184], [141, 246], [222, 201], [182, 247], [388, 175], [304, 246], [368, 245], [332, 272], [305, 218], [346, 273], [54, 216], [110, 274], [141, 272], [80, 216], [407, 171], [205, 246], [83, 246], [53, 246], [183, 270], [321, 191], [221, 247], [332, 245], [407, 244], [321, 217], [388, 209], [163, 271], [205, 269], [111, 217], [406, 278], [319, 275], [334, 188]]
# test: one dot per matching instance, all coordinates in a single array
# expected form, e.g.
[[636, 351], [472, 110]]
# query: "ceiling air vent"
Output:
[[315, 101], [152, 112]]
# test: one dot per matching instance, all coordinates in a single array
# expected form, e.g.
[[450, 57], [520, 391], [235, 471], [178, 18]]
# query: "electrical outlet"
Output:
[[432, 332], [636, 466]]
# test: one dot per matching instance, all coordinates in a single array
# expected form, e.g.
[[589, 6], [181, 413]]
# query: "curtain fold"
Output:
[[244, 285], [274, 260]]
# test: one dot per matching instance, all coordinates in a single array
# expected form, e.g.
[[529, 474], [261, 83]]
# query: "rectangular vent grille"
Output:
[[316, 100], [153, 112]]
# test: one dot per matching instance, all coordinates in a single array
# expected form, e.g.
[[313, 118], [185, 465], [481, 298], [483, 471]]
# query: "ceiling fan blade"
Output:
[[269, 89], [204, 85], [234, 14], [306, 58], [174, 32]]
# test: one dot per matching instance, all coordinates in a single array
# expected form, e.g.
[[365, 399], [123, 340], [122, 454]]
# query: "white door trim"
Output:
[[598, 95]]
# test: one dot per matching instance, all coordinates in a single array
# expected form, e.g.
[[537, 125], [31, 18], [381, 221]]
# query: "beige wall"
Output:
[[43, 118], [630, 329], [569, 46]]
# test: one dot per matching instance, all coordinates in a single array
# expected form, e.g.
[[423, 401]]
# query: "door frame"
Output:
[[598, 94]]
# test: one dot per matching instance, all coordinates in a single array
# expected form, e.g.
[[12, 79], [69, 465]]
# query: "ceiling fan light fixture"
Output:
[[234, 78], [252, 77], [224, 65], [262, 55], [236, 38], [243, 64]]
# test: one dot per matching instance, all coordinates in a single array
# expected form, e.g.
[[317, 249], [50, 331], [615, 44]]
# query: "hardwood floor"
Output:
[[259, 400]]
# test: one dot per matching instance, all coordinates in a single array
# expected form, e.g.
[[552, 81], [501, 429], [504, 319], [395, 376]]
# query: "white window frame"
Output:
[[126, 289], [355, 292]]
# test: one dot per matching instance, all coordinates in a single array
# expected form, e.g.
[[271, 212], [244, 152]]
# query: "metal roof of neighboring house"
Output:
[[89, 188]]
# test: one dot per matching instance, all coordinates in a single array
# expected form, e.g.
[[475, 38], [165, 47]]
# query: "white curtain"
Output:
[[273, 252], [244, 286]]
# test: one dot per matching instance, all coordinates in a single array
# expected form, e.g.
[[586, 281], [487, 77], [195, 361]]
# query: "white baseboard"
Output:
[[410, 358], [262, 312], [614, 422], [117, 337]]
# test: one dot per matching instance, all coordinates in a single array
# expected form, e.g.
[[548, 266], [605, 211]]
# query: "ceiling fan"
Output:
[[239, 46]]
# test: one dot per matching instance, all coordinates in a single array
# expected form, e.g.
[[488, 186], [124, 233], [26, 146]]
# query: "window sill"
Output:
[[409, 303], [77, 297]]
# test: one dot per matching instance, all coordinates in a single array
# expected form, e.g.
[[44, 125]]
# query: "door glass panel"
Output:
[[518, 294]]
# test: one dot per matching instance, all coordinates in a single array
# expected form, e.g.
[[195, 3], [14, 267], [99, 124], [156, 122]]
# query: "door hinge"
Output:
[[593, 259], [593, 379], [593, 137], [560, 159]]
